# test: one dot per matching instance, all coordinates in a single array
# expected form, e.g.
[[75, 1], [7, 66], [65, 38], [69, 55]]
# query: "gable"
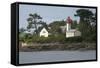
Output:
[[43, 31]]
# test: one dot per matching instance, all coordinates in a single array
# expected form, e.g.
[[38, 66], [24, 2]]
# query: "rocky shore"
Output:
[[57, 47]]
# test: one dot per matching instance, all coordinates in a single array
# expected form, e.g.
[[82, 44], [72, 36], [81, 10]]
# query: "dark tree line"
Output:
[[87, 24]]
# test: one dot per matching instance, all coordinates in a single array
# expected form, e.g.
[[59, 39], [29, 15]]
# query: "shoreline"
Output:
[[59, 50], [59, 47]]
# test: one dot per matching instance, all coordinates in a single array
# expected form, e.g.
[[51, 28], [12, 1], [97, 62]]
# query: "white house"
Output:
[[71, 32], [44, 33]]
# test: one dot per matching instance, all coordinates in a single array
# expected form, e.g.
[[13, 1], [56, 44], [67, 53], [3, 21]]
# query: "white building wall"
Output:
[[68, 26], [77, 33], [69, 34], [44, 33], [23, 44]]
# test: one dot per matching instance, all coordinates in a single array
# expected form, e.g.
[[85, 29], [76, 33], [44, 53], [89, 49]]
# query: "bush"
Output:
[[58, 38], [74, 39]]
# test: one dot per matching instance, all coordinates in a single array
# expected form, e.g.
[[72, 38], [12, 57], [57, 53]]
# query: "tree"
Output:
[[86, 19], [33, 21], [55, 26], [21, 34], [84, 14], [44, 25], [21, 30], [93, 20], [74, 25]]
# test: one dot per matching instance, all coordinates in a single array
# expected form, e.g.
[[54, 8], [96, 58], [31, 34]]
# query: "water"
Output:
[[52, 56]]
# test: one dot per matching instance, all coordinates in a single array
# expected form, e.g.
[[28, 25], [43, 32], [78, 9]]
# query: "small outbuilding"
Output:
[[44, 33]]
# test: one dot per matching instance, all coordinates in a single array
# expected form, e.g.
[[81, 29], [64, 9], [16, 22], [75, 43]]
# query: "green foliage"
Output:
[[74, 25], [74, 39], [51, 39], [21, 30], [55, 26], [84, 14], [88, 31], [33, 21]]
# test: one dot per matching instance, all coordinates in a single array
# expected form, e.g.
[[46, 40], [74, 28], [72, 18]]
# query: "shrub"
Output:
[[74, 39]]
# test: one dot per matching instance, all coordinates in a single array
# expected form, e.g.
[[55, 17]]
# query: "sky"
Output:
[[48, 13]]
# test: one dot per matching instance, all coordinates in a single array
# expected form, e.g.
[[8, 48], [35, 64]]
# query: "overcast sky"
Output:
[[48, 13]]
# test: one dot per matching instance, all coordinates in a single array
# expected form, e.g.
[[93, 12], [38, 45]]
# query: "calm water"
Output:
[[50, 56]]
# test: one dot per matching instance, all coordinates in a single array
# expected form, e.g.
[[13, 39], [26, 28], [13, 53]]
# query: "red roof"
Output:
[[69, 20]]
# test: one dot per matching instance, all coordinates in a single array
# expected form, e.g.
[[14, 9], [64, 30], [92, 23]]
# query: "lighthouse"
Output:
[[68, 23], [71, 32]]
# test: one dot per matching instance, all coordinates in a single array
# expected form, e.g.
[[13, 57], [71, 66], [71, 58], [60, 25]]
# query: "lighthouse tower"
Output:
[[71, 32], [68, 23]]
